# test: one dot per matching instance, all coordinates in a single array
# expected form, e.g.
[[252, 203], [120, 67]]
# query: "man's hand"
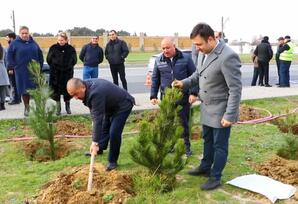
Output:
[[94, 148], [154, 101], [192, 99], [10, 71], [225, 123], [177, 84]]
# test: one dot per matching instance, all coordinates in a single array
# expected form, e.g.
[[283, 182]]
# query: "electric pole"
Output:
[[13, 21]]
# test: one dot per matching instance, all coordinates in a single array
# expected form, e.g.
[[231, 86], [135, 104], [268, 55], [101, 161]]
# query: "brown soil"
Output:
[[107, 187], [280, 169], [249, 113], [285, 128], [67, 127], [39, 150], [196, 133], [285, 171]]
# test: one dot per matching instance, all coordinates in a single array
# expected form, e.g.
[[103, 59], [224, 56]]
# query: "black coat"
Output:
[[116, 51], [61, 60], [264, 51]]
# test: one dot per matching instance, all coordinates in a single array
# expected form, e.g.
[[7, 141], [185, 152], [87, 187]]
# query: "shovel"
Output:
[[91, 172]]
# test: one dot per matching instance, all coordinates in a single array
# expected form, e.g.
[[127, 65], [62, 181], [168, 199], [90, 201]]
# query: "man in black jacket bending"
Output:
[[116, 51], [110, 106]]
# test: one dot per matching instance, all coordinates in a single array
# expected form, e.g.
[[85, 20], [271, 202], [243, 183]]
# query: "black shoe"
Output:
[[283, 86], [67, 107], [277, 84], [199, 172], [188, 153], [268, 85], [88, 154], [2, 106], [211, 184], [261, 84], [111, 166], [14, 102]]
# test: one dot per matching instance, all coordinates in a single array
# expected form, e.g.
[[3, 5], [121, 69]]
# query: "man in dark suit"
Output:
[[219, 78], [110, 106]]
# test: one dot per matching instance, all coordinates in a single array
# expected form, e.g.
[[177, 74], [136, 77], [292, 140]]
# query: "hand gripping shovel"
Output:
[[91, 172]]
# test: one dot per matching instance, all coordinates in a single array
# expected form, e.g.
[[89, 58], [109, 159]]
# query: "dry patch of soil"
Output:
[[249, 113], [67, 127], [107, 187]]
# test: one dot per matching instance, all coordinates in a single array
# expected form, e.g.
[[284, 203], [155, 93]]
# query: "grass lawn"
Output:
[[249, 145]]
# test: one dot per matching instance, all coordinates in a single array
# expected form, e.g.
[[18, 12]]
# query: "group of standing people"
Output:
[[61, 59], [263, 54]]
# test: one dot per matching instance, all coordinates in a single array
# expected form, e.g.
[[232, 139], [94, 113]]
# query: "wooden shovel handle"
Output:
[[89, 187]]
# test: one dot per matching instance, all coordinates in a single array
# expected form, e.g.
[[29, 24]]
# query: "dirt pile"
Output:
[[285, 171], [67, 127], [249, 113], [107, 187]]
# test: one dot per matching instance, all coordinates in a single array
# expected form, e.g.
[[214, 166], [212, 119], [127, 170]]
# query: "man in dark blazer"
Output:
[[110, 106], [219, 78]]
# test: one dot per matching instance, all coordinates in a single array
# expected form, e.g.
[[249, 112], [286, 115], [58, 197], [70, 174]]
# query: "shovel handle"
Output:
[[89, 187]]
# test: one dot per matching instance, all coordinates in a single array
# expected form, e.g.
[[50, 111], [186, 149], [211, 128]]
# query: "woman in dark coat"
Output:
[[61, 58], [20, 53]]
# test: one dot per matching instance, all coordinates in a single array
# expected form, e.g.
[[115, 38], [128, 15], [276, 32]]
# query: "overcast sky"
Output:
[[243, 18]]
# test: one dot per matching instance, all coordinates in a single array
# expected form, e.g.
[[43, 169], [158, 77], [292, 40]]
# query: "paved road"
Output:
[[136, 77]]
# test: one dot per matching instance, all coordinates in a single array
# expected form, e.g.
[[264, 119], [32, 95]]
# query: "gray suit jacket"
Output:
[[219, 80]]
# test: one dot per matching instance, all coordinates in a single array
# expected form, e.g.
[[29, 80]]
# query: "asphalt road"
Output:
[[136, 76]]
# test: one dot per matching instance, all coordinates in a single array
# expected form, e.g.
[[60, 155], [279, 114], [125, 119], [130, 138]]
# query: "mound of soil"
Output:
[[107, 187], [285, 171], [39, 150], [249, 113], [280, 169], [67, 127]]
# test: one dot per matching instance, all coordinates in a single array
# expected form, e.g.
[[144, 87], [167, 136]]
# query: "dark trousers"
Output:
[[15, 96], [216, 146], [112, 132], [285, 73], [264, 72], [278, 69], [184, 115], [118, 68], [255, 76]]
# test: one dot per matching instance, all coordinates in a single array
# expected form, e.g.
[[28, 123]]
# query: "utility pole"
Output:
[[13, 21]]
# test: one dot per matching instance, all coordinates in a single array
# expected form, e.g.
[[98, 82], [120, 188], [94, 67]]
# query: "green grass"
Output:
[[249, 145]]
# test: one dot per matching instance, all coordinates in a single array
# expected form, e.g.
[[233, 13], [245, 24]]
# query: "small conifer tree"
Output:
[[159, 146], [41, 114]]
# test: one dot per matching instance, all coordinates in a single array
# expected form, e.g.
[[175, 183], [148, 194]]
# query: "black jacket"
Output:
[[116, 51], [264, 51], [105, 98]]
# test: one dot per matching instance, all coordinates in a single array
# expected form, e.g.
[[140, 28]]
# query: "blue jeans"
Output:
[[216, 146], [112, 132], [90, 72], [284, 73]]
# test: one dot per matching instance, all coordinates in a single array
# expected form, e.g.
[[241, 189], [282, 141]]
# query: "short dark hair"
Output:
[[12, 35], [203, 30], [113, 31]]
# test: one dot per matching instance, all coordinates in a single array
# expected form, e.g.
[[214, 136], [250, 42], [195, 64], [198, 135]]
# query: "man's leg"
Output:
[[86, 72], [94, 72], [121, 69], [208, 152], [184, 115], [221, 148], [117, 125], [114, 72]]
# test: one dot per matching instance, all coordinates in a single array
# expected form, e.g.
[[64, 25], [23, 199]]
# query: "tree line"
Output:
[[76, 31]]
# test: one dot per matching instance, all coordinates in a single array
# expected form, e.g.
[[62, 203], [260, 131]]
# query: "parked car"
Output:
[[150, 67], [46, 71]]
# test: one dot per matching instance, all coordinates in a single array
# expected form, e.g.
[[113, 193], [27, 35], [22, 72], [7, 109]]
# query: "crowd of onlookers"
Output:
[[15, 79], [263, 54]]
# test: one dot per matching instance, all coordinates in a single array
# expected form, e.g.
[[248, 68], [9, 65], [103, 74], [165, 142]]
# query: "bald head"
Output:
[[76, 88], [168, 47]]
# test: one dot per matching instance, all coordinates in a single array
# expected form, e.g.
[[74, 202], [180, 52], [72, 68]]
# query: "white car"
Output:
[[150, 67]]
